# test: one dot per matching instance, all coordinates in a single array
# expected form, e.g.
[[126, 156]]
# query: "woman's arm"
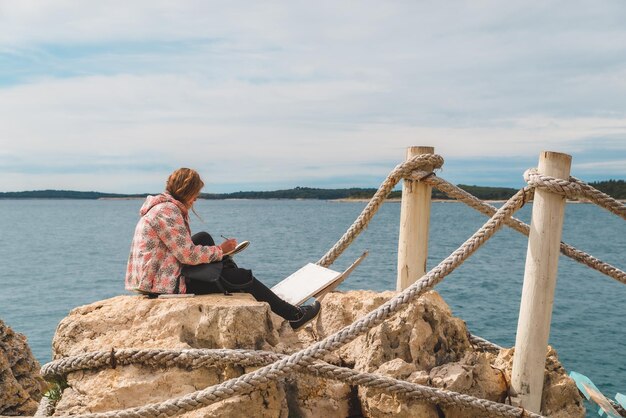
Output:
[[170, 227]]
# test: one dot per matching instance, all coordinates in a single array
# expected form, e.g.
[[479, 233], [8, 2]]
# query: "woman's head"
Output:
[[184, 185]]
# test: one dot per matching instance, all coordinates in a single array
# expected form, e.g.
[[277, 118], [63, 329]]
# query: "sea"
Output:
[[59, 254]]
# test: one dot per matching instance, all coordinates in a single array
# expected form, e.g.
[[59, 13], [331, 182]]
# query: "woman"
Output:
[[165, 258]]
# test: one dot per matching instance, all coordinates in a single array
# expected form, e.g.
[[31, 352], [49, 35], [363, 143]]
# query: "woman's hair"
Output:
[[184, 184]]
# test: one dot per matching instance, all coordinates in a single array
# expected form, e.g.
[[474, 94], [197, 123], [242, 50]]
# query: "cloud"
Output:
[[616, 166], [294, 94]]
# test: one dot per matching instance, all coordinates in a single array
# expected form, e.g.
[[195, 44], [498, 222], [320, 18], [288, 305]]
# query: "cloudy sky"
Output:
[[114, 95]]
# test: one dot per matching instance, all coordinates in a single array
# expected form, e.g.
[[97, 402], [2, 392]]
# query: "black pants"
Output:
[[238, 276]]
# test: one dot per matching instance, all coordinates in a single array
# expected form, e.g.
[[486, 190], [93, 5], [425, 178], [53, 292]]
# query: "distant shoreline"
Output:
[[343, 200], [614, 188]]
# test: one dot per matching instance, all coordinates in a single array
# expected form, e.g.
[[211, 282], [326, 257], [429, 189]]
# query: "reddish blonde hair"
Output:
[[184, 184]]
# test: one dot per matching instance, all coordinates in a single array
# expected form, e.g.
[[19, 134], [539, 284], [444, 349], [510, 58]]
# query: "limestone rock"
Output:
[[423, 344], [418, 338], [136, 322], [211, 321], [424, 333], [379, 404], [342, 309], [21, 385], [560, 398], [474, 375]]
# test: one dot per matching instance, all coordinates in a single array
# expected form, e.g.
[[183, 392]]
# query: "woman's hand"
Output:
[[228, 245]]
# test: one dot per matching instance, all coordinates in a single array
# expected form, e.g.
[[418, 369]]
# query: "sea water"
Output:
[[59, 254]]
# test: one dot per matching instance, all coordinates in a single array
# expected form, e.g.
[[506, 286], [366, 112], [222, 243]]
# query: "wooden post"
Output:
[[414, 221], [533, 327]]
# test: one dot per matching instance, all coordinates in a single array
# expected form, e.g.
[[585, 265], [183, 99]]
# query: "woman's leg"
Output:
[[239, 276], [203, 238], [199, 287]]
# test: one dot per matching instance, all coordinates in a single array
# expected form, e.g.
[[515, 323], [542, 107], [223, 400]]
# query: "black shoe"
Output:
[[309, 312]]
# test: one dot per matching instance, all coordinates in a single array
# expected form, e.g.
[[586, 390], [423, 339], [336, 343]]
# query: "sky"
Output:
[[113, 96]]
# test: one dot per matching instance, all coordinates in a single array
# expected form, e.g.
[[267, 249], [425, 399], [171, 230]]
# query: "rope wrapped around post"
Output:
[[399, 172], [488, 210], [574, 188]]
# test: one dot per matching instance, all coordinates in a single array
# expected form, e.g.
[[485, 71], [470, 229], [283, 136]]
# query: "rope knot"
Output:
[[419, 162], [574, 188], [567, 188]]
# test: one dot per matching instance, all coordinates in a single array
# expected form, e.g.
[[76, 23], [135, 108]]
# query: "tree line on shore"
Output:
[[614, 188]]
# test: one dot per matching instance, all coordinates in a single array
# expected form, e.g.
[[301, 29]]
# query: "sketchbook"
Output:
[[312, 281], [239, 248]]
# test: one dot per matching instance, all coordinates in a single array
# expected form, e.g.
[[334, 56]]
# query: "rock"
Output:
[[422, 344], [376, 403], [342, 309], [21, 385], [452, 377], [418, 338], [425, 333], [211, 321], [473, 375], [560, 398], [426, 338]]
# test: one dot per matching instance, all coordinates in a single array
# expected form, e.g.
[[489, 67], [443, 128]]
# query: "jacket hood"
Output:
[[152, 201]]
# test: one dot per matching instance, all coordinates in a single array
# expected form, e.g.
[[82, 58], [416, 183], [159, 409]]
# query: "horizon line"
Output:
[[262, 191]]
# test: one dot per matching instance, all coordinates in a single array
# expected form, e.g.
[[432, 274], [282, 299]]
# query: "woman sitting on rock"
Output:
[[165, 258]]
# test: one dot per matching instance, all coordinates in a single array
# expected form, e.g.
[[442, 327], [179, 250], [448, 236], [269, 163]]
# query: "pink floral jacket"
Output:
[[161, 245]]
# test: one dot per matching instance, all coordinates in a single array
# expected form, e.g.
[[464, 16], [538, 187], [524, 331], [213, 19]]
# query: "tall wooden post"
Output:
[[542, 258], [414, 221]]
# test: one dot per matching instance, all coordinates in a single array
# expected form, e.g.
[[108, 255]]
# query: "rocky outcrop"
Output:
[[423, 344], [211, 321], [426, 344], [21, 385], [560, 395]]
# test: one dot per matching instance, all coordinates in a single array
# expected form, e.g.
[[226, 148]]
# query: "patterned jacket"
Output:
[[161, 245]]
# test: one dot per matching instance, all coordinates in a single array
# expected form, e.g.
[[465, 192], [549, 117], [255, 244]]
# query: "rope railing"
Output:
[[276, 366], [574, 188], [197, 358], [487, 209]]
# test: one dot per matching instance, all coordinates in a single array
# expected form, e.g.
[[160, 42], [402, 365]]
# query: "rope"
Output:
[[483, 345], [260, 377], [400, 171], [197, 358], [45, 408], [574, 188], [487, 209], [594, 263], [194, 358]]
